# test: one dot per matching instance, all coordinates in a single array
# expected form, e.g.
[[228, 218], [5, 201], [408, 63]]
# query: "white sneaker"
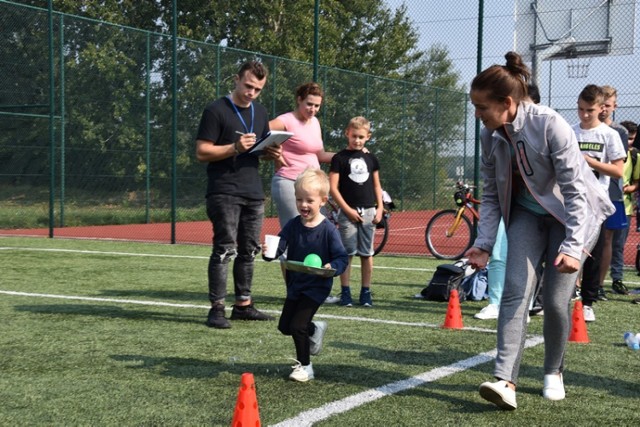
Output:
[[499, 393], [332, 300], [553, 387], [589, 315], [489, 312], [301, 373], [316, 338]]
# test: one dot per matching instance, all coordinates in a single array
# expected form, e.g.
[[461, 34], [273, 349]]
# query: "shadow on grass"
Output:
[[402, 357], [179, 367], [109, 311], [194, 297], [184, 296]]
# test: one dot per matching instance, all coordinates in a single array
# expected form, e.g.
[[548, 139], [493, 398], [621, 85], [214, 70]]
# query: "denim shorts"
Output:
[[357, 238]]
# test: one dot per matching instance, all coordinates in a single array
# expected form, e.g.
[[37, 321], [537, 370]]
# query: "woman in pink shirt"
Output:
[[304, 149]]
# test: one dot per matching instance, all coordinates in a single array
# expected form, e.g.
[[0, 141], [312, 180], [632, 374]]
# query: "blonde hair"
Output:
[[609, 91], [312, 179], [358, 122]]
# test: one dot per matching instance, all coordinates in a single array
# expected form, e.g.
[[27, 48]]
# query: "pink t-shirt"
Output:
[[300, 151]]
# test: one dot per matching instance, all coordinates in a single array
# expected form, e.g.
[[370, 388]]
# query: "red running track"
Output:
[[406, 235]]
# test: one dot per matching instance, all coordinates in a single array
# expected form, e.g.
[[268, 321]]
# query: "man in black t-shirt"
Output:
[[235, 199]]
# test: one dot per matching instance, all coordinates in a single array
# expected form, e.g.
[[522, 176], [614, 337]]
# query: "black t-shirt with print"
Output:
[[356, 177]]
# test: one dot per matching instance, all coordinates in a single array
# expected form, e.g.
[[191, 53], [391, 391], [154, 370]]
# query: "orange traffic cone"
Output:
[[246, 412], [453, 320], [578, 326]]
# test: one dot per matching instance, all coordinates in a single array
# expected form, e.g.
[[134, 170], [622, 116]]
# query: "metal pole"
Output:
[[550, 79], [52, 132], [174, 118], [476, 169], [147, 137], [63, 155], [316, 37]]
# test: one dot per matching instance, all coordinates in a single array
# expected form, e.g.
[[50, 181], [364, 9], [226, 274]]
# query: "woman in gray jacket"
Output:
[[534, 176]]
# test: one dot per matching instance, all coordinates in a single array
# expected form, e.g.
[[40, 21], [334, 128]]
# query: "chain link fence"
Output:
[[103, 158]]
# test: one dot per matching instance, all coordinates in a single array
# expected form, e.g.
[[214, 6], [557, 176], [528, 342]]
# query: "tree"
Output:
[[370, 65]]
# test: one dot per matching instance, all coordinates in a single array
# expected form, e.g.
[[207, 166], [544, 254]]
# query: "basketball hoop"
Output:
[[578, 68]]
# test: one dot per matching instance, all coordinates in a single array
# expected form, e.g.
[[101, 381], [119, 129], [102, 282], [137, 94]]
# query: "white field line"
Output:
[[307, 418], [16, 248], [87, 252]]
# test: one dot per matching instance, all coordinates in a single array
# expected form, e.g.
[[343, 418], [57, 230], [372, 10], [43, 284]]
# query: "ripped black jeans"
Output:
[[237, 223]]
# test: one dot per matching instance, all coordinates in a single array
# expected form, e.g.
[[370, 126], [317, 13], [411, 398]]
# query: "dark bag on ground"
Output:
[[446, 278]]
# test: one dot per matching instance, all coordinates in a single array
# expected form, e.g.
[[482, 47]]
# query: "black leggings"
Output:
[[591, 272], [295, 321]]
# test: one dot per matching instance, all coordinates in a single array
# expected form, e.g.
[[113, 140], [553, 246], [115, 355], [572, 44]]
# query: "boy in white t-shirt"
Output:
[[603, 150]]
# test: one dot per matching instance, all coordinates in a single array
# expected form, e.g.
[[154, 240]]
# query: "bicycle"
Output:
[[449, 233], [381, 233]]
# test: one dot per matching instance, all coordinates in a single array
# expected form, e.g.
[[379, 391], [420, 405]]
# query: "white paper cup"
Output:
[[272, 245]]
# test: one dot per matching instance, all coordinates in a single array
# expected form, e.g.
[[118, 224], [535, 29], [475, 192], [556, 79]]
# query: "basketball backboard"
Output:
[[552, 29]]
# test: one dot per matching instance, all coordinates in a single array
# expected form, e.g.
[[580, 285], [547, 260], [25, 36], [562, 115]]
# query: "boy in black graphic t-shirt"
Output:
[[355, 186]]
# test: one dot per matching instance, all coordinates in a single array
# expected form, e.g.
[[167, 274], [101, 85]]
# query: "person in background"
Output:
[[605, 154], [552, 208], [355, 187], [235, 197], [308, 233], [614, 233], [303, 150], [630, 178]]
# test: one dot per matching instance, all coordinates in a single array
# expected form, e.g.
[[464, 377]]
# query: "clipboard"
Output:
[[299, 267], [274, 137]]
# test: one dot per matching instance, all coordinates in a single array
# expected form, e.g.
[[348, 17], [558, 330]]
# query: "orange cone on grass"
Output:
[[246, 412], [578, 325], [453, 320]]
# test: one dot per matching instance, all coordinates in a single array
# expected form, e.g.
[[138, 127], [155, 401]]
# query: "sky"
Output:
[[459, 33]]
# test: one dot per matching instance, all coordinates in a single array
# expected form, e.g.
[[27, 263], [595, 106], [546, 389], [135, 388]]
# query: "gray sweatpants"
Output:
[[532, 240]]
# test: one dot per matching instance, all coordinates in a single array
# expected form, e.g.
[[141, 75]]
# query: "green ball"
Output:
[[313, 260]]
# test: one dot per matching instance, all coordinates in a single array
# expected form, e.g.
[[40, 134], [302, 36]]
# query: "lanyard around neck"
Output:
[[246, 129]]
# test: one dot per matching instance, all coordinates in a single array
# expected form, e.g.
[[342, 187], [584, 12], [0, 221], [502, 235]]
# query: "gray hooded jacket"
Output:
[[553, 169]]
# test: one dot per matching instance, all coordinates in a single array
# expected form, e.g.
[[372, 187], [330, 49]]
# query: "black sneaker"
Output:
[[602, 295], [248, 312], [216, 318], [619, 287]]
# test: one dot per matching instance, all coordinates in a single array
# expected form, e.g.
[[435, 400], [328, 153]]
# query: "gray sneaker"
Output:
[[316, 338]]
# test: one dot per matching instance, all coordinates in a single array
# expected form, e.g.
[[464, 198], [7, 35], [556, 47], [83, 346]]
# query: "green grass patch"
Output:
[[112, 361]]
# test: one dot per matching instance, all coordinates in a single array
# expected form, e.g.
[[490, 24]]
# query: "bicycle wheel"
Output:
[[380, 236], [443, 247]]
